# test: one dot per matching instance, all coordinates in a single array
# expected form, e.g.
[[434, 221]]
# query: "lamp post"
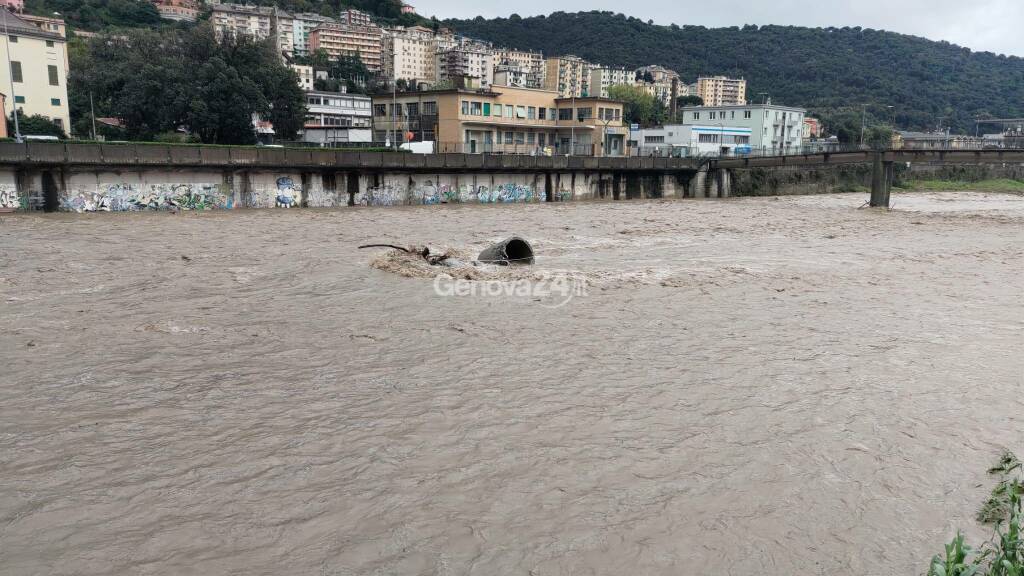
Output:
[[10, 71]]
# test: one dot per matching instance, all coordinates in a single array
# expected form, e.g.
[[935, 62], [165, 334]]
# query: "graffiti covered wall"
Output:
[[121, 197], [418, 189]]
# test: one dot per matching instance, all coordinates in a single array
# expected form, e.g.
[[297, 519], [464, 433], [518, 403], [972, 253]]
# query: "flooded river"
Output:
[[750, 386]]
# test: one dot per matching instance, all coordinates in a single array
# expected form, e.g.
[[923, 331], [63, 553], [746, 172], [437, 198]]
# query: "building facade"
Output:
[[527, 67], [337, 118], [339, 40], [603, 78], [409, 54], [38, 71], [502, 120], [681, 141], [772, 128], [305, 74], [178, 10], [658, 81], [722, 91], [303, 23], [567, 75], [354, 17], [467, 61]]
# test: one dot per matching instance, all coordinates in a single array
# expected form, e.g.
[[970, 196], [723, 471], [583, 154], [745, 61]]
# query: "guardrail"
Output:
[[198, 156]]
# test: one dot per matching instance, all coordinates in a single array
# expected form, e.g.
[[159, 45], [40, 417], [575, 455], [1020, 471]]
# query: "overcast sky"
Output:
[[993, 25]]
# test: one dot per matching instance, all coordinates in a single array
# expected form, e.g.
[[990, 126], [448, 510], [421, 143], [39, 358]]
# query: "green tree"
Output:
[[639, 107], [34, 125]]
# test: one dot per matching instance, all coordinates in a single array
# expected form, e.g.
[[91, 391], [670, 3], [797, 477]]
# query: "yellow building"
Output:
[[567, 75], [502, 119], [722, 91], [38, 69]]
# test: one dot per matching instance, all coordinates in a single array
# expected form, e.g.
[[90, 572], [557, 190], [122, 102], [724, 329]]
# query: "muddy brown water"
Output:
[[769, 386]]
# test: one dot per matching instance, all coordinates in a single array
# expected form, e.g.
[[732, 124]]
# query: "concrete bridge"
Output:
[[93, 176]]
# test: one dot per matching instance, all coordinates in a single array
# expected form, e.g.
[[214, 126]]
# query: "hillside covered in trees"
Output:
[[830, 71]]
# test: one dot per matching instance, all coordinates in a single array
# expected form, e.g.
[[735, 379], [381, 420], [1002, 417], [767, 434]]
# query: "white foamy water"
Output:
[[770, 386]]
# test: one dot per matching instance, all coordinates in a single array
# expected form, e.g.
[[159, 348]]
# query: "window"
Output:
[[541, 138], [19, 99], [497, 109], [746, 113], [696, 115], [531, 113], [465, 107], [508, 137], [475, 109], [16, 71], [742, 139], [380, 110], [584, 113], [487, 108], [412, 109], [707, 138], [565, 113], [520, 111], [531, 138], [654, 139], [13, 39], [520, 138], [551, 113], [508, 110], [542, 114], [732, 114], [430, 108], [49, 43], [55, 101]]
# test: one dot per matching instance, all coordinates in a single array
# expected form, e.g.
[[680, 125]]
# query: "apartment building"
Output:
[[334, 118], [178, 10], [354, 17], [527, 68], [772, 128], [303, 23], [722, 91], [658, 80], [52, 25], [603, 78], [305, 74], [37, 71], [502, 120], [339, 40], [567, 75], [240, 19], [409, 54], [469, 60]]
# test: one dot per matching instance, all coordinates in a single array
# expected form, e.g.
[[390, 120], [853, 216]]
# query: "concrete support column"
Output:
[[698, 183], [724, 183], [880, 182]]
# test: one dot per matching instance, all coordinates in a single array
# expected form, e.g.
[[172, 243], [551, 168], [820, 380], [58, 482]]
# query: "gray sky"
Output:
[[993, 25]]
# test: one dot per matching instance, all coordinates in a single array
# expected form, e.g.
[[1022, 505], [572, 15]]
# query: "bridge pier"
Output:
[[881, 181]]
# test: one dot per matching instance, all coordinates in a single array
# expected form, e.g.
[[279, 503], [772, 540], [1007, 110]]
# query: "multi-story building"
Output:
[[13, 5], [567, 75], [354, 17], [337, 118], [305, 74], [409, 54], [503, 120], [408, 9], [812, 128], [178, 10], [680, 141], [52, 25], [339, 40], [471, 61], [37, 71], [239, 20], [772, 128], [658, 81], [603, 78], [302, 24], [524, 66], [722, 91]]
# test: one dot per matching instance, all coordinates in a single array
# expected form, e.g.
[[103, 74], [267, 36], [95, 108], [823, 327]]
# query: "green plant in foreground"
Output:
[[1004, 554]]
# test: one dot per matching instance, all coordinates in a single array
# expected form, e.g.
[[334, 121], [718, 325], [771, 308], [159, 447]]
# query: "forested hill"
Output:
[[831, 71]]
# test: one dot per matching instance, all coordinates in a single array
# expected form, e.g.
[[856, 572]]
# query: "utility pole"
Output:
[[10, 70], [572, 124], [92, 111], [863, 122]]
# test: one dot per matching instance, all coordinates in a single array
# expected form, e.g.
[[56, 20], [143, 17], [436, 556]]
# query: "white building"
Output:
[[409, 54], [466, 61], [603, 78], [657, 81], [523, 66], [773, 128], [335, 118], [680, 140], [722, 91], [305, 76]]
